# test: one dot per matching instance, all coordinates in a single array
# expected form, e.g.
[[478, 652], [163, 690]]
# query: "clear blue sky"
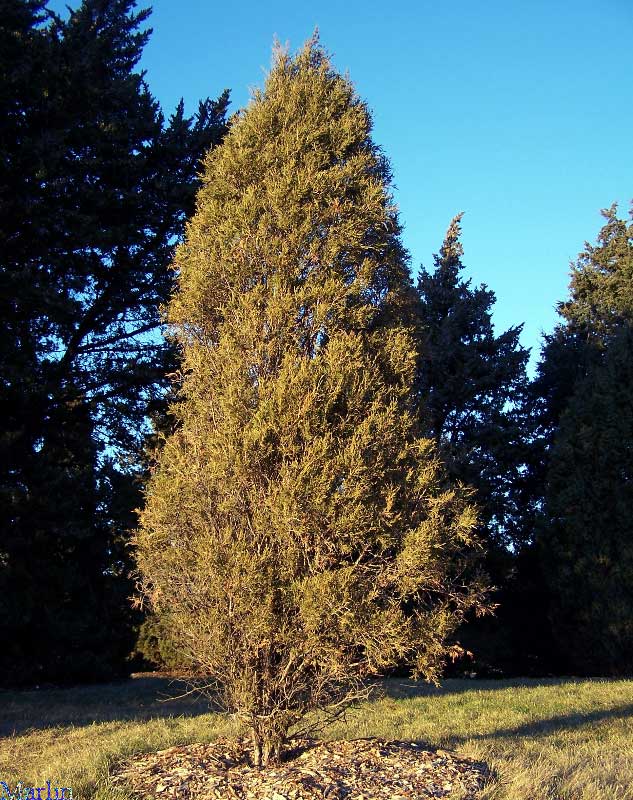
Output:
[[520, 114]]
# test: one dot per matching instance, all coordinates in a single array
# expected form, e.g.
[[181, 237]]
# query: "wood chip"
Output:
[[361, 769]]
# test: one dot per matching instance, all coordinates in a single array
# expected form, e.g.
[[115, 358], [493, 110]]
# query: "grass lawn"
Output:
[[544, 739]]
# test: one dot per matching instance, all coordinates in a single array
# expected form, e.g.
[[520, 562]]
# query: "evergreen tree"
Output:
[[600, 302], [581, 363], [469, 382], [94, 190], [587, 541], [469, 385], [601, 286], [297, 528]]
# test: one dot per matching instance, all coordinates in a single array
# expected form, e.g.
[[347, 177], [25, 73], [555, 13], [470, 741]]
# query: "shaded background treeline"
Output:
[[95, 189]]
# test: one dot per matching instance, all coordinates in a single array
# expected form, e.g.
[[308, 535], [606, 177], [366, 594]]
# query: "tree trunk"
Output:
[[257, 747], [267, 746], [272, 751]]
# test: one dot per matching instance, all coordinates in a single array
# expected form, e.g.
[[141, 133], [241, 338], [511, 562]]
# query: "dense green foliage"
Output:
[[601, 287], [298, 529], [158, 646], [585, 533], [469, 390], [587, 541], [600, 303], [469, 383], [94, 190]]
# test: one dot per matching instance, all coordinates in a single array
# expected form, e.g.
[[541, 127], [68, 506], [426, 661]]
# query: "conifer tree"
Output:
[[468, 384], [581, 465], [94, 188], [600, 302], [601, 285], [297, 528], [587, 542]]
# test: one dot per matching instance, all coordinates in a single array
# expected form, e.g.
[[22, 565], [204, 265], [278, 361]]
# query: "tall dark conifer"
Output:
[[581, 461], [94, 190], [586, 542], [469, 380]]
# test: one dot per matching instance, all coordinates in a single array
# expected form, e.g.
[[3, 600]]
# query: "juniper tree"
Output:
[[600, 302], [581, 465], [296, 528], [586, 544], [601, 285], [469, 381]]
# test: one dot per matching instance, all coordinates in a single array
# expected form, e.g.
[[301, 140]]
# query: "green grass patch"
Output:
[[544, 740]]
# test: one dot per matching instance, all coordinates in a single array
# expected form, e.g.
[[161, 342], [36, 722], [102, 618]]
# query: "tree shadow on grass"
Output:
[[147, 697], [135, 700], [406, 689], [552, 725], [399, 689]]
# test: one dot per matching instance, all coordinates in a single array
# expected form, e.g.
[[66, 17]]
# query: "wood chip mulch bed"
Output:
[[363, 769]]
